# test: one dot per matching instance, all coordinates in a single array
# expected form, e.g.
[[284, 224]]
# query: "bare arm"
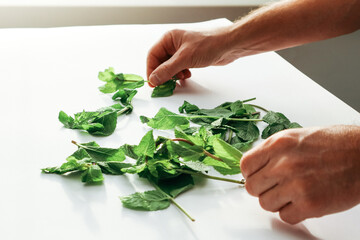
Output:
[[291, 23], [277, 26]]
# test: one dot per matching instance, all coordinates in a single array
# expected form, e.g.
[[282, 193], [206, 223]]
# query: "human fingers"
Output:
[[168, 69], [253, 160], [291, 213], [258, 157], [261, 181], [184, 74], [160, 52], [276, 197]]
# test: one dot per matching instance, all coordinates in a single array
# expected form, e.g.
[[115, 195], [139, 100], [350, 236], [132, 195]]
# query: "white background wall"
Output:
[[334, 64]]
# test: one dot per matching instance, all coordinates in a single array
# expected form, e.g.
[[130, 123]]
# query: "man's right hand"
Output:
[[179, 50]]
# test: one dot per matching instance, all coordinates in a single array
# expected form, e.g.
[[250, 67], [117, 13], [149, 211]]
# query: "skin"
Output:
[[300, 173], [305, 173]]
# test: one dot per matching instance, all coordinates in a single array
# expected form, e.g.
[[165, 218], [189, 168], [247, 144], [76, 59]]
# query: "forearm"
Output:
[[290, 23]]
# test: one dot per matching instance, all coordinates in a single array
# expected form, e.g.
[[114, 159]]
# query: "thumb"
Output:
[[167, 70]]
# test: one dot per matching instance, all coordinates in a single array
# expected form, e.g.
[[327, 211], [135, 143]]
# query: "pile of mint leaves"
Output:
[[203, 140]]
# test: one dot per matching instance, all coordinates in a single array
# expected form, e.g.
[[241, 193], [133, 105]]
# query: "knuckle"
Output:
[[284, 139]]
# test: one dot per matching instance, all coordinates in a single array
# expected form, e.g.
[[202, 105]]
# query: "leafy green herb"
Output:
[[165, 89], [100, 123], [165, 119], [92, 160], [277, 122], [119, 81], [148, 201]]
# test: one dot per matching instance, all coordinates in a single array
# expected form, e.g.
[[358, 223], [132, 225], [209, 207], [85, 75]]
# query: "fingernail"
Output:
[[154, 79]]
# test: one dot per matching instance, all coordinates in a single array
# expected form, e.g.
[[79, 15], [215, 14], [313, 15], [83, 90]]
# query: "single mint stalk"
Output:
[[122, 111], [199, 174], [230, 119], [230, 136], [173, 201], [257, 106], [248, 100], [134, 80]]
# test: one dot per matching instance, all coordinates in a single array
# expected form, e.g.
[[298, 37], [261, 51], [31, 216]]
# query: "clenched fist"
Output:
[[304, 173]]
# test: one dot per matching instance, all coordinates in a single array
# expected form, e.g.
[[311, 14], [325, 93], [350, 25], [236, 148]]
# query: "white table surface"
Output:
[[44, 71]]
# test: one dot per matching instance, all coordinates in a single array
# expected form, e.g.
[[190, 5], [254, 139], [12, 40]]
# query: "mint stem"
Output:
[[172, 200], [230, 136], [134, 80], [242, 182], [257, 106], [122, 111], [248, 100], [181, 209], [230, 119], [192, 144]]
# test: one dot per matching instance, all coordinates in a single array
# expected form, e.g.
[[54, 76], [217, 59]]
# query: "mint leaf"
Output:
[[134, 169], [119, 81], [125, 96], [230, 155], [92, 174], [177, 185], [277, 122], [114, 168], [188, 153], [165, 119], [147, 201], [146, 146], [188, 108], [92, 160], [100, 154], [165, 89], [99, 123], [70, 166]]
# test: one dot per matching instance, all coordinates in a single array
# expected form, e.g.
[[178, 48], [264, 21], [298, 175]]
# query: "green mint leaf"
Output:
[[147, 201], [277, 122], [66, 120], [188, 153], [162, 169], [146, 146], [230, 155], [108, 75], [216, 163], [134, 169], [197, 166], [275, 118], [165, 89], [196, 139], [188, 108], [100, 154], [119, 81], [114, 168], [92, 175], [99, 123], [177, 185], [247, 131], [165, 119], [125, 96], [129, 151], [70, 166]]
